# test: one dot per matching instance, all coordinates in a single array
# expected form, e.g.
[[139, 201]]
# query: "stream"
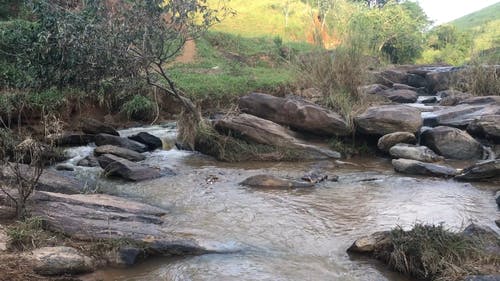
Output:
[[298, 234]]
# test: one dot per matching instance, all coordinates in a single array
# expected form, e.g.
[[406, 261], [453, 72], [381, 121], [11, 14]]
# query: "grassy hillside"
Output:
[[478, 19]]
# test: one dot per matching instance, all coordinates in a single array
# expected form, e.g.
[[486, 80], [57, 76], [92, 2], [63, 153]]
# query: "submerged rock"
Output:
[[88, 161], [120, 152], [297, 114], [260, 131], [386, 119], [60, 261], [116, 166], [452, 143], [94, 127], [92, 217], [415, 152], [105, 139], [65, 167], [152, 142], [369, 244], [481, 171], [414, 167], [387, 141], [268, 181]]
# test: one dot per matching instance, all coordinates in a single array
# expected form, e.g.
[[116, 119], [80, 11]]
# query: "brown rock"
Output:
[[386, 119], [390, 140], [452, 143]]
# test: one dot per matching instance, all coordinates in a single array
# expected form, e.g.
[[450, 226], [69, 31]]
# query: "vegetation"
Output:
[[430, 252]]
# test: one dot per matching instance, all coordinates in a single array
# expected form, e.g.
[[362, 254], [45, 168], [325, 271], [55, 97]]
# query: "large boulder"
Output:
[[120, 152], [459, 116], [104, 139], [60, 261], [152, 142], [481, 100], [371, 243], [400, 95], [116, 166], [414, 167], [441, 79], [452, 97], [92, 217], [88, 161], [486, 126], [297, 114], [269, 181], [49, 180], [414, 152], [390, 77], [257, 130], [387, 141], [71, 139], [452, 143], [94, 127], [386, 119], [481, 171]]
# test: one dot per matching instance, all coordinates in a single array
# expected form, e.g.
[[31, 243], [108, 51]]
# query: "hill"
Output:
[[478, 19]]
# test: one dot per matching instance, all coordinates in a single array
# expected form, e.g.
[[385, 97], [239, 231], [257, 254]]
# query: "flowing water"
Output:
[[286, 234]]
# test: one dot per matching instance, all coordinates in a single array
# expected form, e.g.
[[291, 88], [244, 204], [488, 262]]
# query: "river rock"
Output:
[[60, 261], [269, 181], [372, 89], [481, 171], [116, 166], [414, 152], [390, 140], [416, 80], [452, 97], [88, 161], [104, 139], [497, 198], [65, 167], [481, 100], [368, 244], [152, 142], [297, 114], [414, 167], [94, 127], [257, 130], [391, 76], [452, 143], [49, 180], [72, 139], [400, 96], [120, 152], [93, 217], [386, 119], [486, 126], [441, 79], [459, 116], [489, 239]]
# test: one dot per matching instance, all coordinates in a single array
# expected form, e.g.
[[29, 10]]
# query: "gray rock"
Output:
[[93, 217], [497, 198], [88, 161], [94, 127], [368, 244], [65, 167], [372, 89], [400, 96], [452, 97], [260, 131], [414, 152], [414, 167], [269, 181], [128, 170], [72, 139], [390, 140], [481, 100], [386, 119], [297, 114], [416, 81], [152, 142], [482, 278], [120, 152], [391, 76], [452, 143], [60, 261], [486, 126], [481, 171], [104, 139], [4, 240], [52, 181], [488, 238], [459, 116], [125, 256]]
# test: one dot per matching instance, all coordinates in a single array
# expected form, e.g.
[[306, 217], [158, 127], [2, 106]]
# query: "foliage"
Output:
[[481, 80], [139, 108], [430, 252], [446, 44], [27, 234]]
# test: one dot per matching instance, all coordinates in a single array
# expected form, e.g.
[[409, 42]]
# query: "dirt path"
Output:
[[188, 54]]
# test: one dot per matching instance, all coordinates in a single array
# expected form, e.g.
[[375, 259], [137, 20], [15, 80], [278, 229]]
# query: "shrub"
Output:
[[482, 80], [139, 108]]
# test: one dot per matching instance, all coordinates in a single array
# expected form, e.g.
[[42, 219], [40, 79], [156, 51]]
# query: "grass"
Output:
[[479, 18], [228, 66], [430, 252]]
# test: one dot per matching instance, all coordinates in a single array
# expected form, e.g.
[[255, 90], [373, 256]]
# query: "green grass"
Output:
[[228, 66], [478, 19]]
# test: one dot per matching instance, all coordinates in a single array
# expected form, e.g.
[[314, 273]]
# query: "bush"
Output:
[[139, 108]]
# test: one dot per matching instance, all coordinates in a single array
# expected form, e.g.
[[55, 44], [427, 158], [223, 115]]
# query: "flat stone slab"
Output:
[[269, 181]]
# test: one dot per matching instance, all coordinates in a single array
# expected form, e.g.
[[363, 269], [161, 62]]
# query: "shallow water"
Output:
[[288, 234]]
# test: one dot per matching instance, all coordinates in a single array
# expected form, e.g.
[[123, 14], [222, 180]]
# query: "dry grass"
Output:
[[434, 253], [479, 80]]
